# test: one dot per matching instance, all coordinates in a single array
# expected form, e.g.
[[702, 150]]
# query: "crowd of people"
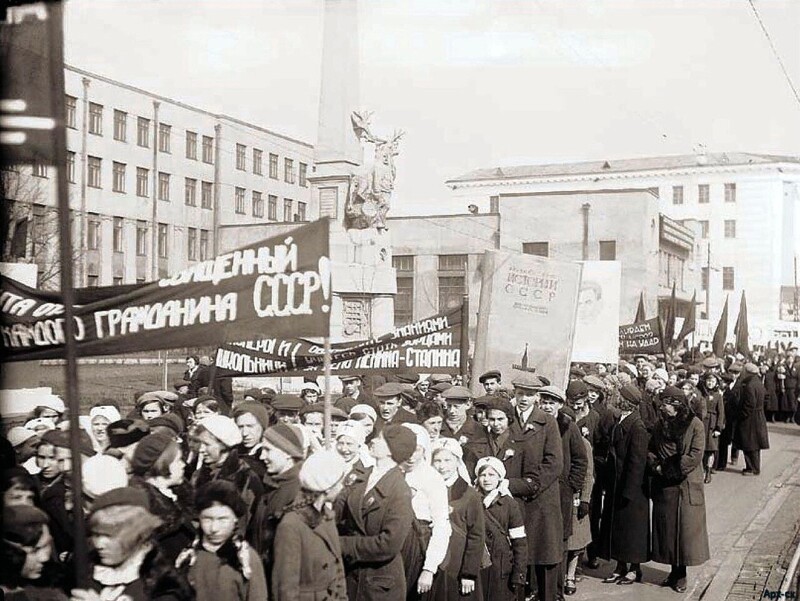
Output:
[[424, 491]]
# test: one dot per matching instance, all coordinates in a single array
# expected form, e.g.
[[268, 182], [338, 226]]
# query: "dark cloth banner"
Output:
[[644, 337], [428, 345], [280, 285]]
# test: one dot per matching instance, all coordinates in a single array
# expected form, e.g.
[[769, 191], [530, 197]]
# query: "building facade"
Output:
[[151, 180], [744, 208]]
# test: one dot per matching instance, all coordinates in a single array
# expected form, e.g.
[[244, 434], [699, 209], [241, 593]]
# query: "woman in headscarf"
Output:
[[506, 540], [675, 458], [350, 444], [714, 422], [460, 571], [100, 416], [426, 544]]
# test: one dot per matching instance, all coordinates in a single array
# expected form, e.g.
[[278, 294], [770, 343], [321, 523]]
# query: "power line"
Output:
[[775, 51]]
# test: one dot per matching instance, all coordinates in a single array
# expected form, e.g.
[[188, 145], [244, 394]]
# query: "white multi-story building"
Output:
[[151, 179], [746, 208]]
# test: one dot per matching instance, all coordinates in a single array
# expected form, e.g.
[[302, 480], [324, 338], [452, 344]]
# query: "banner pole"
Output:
[[464, 367], [80, 550], [326, 416]]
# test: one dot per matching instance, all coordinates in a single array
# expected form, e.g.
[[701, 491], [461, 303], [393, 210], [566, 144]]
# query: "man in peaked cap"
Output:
[[458, 423], [491, 381], [389, 403], [352, 389], [287, 408]]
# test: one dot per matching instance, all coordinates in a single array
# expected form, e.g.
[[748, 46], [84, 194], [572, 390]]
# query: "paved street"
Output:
[[739, 509]]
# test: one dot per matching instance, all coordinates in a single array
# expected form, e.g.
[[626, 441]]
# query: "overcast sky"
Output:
[[474, 83]]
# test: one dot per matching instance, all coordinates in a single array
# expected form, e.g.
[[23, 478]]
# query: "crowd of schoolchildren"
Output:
[[424, 491]]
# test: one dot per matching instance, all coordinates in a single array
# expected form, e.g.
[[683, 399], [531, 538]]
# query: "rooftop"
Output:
[[685, 161]]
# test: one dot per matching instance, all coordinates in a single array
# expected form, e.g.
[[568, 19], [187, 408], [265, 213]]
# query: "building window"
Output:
[[301, 211], [70, 167], [258, 157], [191, 145], [206, 195], [163, 186], [117, 235], [71, 108], [191, 240], [608, 250], [117, 280], [39, 169], [239, 201], [163, 238], [730, 192], [94, 168], [143, 132], [164, 133], [727, 278], [118, 169], [120, 125], [208, 149], [141, 238], [190, 192], [288, 171], [540, 249], [258, 204], [677, 195], [92, 280], [703, 194], [241, 157], [452, 281], [273, 166], [96, 119], [404, 299], [272, 208], [203, 245], [288, 215], [93, 232], [671, 270], [303, 175], [704, 229], [142, 177], [730, 228], [704, 278]]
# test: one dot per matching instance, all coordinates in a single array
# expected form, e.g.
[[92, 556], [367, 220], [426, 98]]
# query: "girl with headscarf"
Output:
[[467, 549], [99, 417], [506, 540], [350, 444], [426, 544], [714, 422]]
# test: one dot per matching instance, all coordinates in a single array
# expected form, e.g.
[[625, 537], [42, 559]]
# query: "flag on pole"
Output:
[[721, 333], [740, 330], [669, 320], [640, 316], [690, 321]]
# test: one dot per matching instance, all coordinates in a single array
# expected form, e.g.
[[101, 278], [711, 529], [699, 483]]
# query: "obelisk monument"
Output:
[[363, 277]]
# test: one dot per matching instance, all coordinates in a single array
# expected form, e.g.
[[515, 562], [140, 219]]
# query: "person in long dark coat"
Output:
[[374, 517], [792, 383], [625, 526], [772, 393], [730, 399], [714, 423], [675, 458], [751, 435]]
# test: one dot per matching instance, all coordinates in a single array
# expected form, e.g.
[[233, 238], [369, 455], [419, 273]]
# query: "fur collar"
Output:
[[674, 428]]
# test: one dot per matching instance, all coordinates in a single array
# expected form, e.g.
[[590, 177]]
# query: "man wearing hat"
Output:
[[436, 392], [252, 419], [458, 423], [750, 434], [374, 516], [352, 393], [526, 399], [389, 403], [286, 408]]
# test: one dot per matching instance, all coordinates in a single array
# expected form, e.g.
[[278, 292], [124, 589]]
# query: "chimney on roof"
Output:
[[700, 154], [606, 165]]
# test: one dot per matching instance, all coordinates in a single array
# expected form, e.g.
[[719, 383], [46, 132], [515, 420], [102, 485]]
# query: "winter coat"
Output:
[[679, 510], [751, 433], [715, 419], [238, 473], [309, 566], [220, 576], [773, 393], [625, 523], [533, 457], [792, 382], [372, 527], [176, 532], [469, 431], [573, 474], [508, 549], [61, 528], [581, 529], [648, 410], [156, 580]]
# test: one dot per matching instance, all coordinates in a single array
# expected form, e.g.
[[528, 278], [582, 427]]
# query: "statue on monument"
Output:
[[371, 190]]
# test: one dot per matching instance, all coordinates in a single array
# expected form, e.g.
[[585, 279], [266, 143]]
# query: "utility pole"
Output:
[[708, 281], [796, 293]]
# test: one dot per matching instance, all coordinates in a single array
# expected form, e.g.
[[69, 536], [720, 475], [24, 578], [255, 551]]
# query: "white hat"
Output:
[[353, 429], [109, 412], [18, 434], [40, 425], [53, 402], [102, 473], [223, 429], [661, 374], [322, 470], [364, 410], [492, 462], [310, 386]]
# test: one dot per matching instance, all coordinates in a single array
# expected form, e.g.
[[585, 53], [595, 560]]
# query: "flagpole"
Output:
[[464, 363], [80, 546], [326, 416]]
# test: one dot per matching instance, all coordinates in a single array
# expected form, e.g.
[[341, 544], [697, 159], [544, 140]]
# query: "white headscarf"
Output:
[[453, 446], [502, 488], [109, 412]]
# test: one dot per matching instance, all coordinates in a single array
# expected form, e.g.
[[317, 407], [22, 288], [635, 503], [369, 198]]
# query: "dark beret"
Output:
[[147, 452], [172, 421], [631, 393], [287, 402], [22, 524], [126, 432], [577, 389], [60, 438], [402, 442], [500, 404], [673, 395], [121, 496]]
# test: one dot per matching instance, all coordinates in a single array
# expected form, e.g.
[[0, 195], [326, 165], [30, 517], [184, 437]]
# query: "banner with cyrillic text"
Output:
[[281, 285], [428, 345], [645, 337]]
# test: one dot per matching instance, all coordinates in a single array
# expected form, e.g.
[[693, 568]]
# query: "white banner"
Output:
[[597, 322]]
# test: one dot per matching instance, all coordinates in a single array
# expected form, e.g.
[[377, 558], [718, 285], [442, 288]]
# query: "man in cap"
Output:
[[491, 381], [436, 393], [286, 408], [351, 389], [458, 423], [526, 399], [751, 435], [390, 410], [252, 419], [374, 516]]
